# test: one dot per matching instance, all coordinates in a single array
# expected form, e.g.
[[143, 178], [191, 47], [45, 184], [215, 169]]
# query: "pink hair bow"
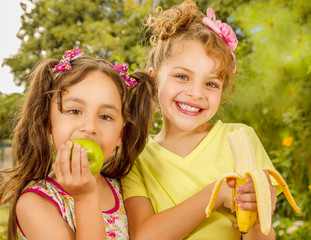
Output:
[[223, 30], [122, 68], [64, 64]]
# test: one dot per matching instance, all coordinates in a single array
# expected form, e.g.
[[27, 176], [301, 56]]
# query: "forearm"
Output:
[[89, 219], [256, 234], [174, 223]]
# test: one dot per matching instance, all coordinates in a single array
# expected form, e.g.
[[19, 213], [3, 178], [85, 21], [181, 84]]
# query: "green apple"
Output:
[[95, 154]]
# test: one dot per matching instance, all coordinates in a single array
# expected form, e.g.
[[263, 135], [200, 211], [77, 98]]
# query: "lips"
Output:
[[188, 109]]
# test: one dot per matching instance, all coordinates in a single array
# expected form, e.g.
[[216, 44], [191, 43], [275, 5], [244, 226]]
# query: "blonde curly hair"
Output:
[[184, 22]]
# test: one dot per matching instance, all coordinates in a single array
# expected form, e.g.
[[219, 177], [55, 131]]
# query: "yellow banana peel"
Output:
[[246, 165]]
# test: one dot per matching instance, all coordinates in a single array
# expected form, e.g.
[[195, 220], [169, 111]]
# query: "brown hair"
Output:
[[33, 151], [184, 22]]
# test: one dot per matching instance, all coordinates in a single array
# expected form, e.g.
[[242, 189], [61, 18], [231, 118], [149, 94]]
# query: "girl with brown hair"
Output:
[[53, 193]]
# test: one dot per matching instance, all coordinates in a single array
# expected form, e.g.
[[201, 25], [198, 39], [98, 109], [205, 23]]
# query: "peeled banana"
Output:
[[246, 165]]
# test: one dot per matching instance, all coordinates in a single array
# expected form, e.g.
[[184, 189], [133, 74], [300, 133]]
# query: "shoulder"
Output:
[[30, 201], [34, 210], [225, 128], [37, 196], [151, 146], [231, 126]]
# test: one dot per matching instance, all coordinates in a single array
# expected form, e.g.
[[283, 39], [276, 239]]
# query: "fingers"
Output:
[[76, 160], [85, 170], [230, 182], [246, 201], [65, 159], [62, 163], [68, 161], [71, 161], [247, 187], [246, 197]]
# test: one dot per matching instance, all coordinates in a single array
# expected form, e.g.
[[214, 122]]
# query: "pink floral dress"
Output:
[[116, 222]]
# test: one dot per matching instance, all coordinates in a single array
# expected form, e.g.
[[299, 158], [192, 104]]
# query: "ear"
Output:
[[153, 74]]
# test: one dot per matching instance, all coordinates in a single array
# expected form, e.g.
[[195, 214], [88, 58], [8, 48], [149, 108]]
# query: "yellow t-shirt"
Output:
[[168, 179]]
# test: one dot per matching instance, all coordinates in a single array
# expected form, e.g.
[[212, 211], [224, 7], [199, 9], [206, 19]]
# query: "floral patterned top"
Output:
[[115, 219]]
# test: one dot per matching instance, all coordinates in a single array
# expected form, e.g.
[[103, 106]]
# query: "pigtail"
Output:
[[32, 150], [140, 109]]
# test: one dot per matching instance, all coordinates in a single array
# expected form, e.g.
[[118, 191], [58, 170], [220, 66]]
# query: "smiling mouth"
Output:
[[189, 108]]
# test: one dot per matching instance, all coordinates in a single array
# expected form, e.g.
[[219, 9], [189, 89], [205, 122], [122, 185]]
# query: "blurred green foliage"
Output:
[[4, 216], [9, 107], [273, 82]]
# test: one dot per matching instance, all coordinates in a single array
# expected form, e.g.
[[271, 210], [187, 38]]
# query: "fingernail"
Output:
[[77, 145], [68, 143], [249, 179], [240, 205], [236, 198], [239, 189]]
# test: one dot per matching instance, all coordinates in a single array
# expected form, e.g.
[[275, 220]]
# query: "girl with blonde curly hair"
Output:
[[169, 187]]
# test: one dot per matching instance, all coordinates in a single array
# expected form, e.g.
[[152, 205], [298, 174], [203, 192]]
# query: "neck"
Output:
[[170, 131], [181, 142]]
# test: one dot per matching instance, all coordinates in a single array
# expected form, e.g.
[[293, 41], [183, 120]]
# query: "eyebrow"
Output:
[[79, 100], [183, 68], [189, 70]]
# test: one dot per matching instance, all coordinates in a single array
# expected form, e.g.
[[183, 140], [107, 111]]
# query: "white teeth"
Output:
[[188, 108]]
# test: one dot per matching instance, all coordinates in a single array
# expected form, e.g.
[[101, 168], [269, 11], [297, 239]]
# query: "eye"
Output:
[[182, 77], [74, 112], [212, 85], [105, 117]]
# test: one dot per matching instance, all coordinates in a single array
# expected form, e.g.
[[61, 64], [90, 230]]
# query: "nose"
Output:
[[195, 90], [88, 125]]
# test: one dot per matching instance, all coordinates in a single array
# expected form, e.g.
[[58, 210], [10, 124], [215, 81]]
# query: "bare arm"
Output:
[[75, 177], [174, 223], [89, 217]]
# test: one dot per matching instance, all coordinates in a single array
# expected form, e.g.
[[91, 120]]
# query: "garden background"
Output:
[[273, 81]]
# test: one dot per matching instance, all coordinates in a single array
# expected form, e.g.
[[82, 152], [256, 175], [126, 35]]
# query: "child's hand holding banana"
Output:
[[257, 195]]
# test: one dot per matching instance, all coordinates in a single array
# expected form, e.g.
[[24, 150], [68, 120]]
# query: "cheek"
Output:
[[216, 99], [168, 91], [112, 138]]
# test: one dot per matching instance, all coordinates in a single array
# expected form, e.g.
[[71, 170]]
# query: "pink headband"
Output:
[[223, 30]]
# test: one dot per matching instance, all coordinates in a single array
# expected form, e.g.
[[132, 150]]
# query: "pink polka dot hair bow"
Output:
[[223, 30], [122, 68], [64, 64]]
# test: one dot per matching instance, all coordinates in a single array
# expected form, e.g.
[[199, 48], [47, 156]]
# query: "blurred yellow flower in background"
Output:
[[287, 141]]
